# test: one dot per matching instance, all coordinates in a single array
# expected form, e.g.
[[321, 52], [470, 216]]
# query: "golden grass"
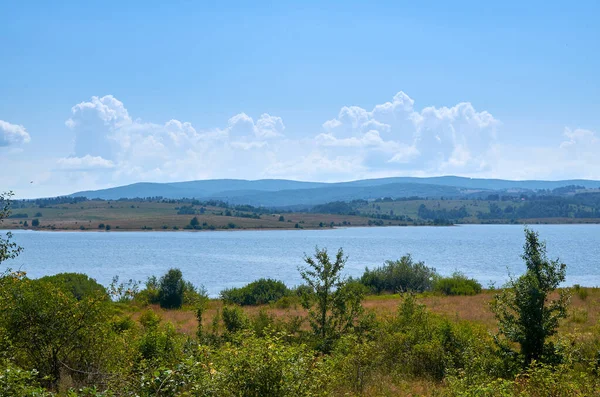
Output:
[[584, 314]]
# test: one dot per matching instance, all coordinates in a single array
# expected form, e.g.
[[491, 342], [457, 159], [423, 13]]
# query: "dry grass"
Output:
[[584, 314]]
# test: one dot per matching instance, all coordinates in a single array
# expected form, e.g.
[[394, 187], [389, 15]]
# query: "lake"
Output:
[[224, 259]]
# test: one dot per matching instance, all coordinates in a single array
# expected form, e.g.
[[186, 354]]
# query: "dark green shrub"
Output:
[[77, 284], [171, 289], [399, 276], [457, 284], [258, 292], [234, 319], [35, 223]]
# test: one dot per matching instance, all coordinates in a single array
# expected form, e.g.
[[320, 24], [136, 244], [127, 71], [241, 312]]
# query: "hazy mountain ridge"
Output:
[[282, 193]]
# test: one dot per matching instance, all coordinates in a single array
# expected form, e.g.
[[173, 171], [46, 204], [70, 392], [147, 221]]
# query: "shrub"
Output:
[[171, 288], [51, 329], [582, 293], [258, 292], [35, 223], [234, 319], [400, 276], [457, 284], [101, 226], [77, 284], [526, 315]]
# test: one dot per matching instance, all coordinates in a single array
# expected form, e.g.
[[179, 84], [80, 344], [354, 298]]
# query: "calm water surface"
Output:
[[225, 259]]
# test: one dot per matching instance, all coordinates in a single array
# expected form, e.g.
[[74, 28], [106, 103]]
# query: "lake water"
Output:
[[225, 259]]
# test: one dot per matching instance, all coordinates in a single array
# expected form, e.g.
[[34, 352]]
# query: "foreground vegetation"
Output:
[[400, 329]]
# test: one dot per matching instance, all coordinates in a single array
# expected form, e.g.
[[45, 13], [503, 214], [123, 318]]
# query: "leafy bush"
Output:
[[53, 330], [250, 366], [457, 284], [15, 381], [77, 284], [171, 289], [400, 276], [258, 292], [234, 319]]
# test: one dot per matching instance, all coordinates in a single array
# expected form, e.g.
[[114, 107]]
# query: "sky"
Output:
[[101, 94]]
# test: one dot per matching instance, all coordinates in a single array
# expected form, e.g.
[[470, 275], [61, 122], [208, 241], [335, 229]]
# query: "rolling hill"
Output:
[[288, 193]]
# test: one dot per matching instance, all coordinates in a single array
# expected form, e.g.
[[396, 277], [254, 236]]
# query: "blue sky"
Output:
[[97, 94]]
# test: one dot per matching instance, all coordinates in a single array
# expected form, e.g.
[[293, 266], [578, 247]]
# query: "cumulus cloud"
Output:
[[396, 136], [107, 138], [12, 134]]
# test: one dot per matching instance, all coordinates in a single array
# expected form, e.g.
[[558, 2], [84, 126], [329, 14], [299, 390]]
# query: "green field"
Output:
[[150, 215], [168, 214]]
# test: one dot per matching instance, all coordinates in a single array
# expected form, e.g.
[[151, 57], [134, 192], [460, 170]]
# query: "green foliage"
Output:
[[15, 381], [171, 288], [249, 366], [524, 311], [582, 293], [457, 284], [160, 344], [258, 292], [123, 292], [8, 248], [77, 284], [400, 276], [194, 222], [35, 222], [51, 330], [538, 380], [234, 319], [334, 305]]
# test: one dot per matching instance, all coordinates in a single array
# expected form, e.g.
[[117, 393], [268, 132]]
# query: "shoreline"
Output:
[[128, 230]]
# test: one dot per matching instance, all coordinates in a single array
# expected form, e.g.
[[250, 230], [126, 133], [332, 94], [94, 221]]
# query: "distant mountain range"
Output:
[[287, 193]]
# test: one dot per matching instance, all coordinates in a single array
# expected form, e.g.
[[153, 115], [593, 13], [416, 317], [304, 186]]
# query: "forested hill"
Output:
[[287, 193]]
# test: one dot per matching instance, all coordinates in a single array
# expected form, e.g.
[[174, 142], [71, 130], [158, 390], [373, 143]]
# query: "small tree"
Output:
[[194, 222], [333, 304], [8, 249], [171, 289], [524, 311], [35, 223]]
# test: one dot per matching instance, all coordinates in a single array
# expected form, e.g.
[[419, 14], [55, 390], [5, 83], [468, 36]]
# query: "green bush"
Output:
[[234, 319], [15, 381], [457, 284], [249, 366], [77, 284], [171, 289], [399, 276], [257, 292]]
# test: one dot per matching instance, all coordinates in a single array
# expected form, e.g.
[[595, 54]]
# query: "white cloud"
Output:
[[403, 139], [392, 139], [112, 147], [12, 134], [84, 163]]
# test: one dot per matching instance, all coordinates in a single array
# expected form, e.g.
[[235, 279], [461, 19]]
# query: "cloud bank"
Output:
[[396, 137]]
